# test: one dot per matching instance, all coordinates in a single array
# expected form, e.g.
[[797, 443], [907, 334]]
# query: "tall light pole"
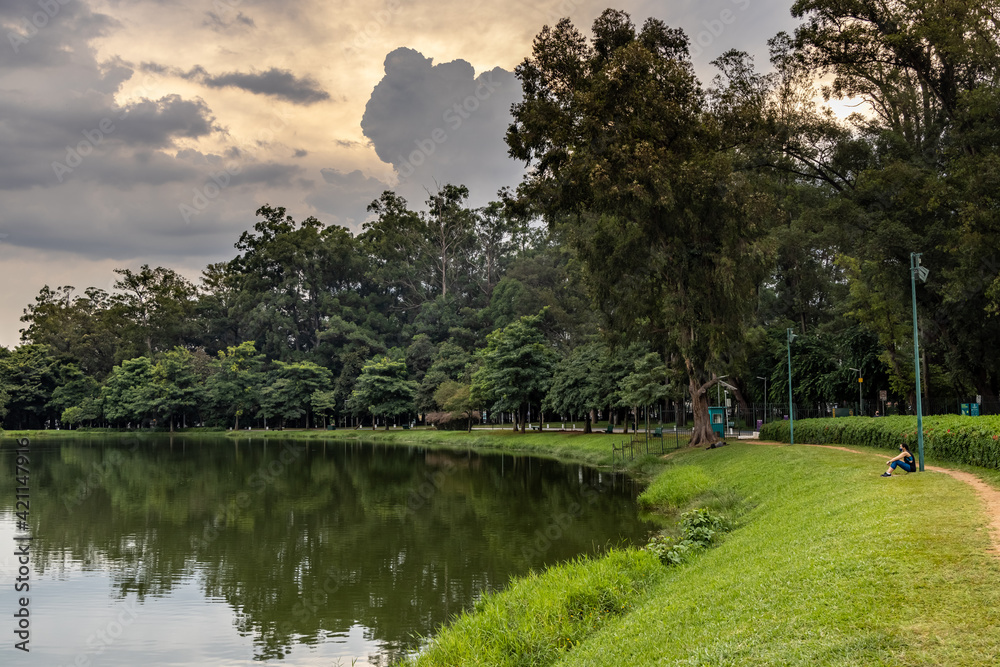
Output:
[[860, 407], [765, 396], [791, 412], [917, 271]]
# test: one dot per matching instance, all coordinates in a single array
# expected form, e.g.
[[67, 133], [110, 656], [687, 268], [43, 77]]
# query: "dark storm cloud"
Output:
[[158, 123], [274, 82], [440, 124], [49, 36], [45, 143]]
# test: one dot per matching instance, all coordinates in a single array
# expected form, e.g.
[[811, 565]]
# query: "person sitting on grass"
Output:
[[902, 460]]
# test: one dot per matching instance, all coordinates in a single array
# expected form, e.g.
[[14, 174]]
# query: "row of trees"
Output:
[[517, 371], [694, 222]]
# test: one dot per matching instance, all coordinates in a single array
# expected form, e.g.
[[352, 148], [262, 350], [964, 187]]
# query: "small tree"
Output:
[[129, 393], [324, 403], [646, 385], [516, 368], [234, 386], [383, 389], [456, 398], [179, 388], [576, 384]]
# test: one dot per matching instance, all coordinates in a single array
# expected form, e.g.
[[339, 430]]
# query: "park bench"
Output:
[[610, 429]]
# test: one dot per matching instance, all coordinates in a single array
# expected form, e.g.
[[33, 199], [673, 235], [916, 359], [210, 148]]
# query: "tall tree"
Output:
[[80, 329], [618, 137], [450, 229], [291, 277]]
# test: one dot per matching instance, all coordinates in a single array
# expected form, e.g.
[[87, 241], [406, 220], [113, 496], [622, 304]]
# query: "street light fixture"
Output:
[[860, 407], [765, 396], [718, 389], [917, 271], [791, 412]]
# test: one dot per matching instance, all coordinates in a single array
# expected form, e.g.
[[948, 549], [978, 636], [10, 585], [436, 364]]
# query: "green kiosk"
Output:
[[718, 418]]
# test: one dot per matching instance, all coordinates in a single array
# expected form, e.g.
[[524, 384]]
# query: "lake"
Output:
[[204, 551]]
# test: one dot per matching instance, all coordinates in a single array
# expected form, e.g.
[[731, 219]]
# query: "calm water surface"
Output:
[[159, 551]]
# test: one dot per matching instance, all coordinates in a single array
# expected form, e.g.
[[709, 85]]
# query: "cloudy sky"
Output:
[[149, 131]]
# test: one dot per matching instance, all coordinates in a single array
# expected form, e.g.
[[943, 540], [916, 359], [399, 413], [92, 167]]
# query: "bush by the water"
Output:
[[971, 440], [698, 531]]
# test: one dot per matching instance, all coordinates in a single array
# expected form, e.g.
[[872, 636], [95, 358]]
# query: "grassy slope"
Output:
[[831, 566]]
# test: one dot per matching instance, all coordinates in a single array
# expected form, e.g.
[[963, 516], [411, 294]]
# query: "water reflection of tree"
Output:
[[397, 540]]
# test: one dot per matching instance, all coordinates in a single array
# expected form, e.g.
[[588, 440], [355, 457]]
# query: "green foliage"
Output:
[[699, 530], [456, 398], [234, 386], [647, 383], [28, 376], [290, 388], [451, 362], [129, 394], [383, 390], [324, 403], [969, 440], [178, 384], [540, 618], [516, 367], [663, 221]]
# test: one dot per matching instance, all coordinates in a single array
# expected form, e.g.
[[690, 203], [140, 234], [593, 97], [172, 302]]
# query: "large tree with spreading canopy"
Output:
[[624, 151]]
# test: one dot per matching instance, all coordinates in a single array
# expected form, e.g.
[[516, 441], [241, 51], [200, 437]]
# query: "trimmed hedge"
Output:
[[971, 440]]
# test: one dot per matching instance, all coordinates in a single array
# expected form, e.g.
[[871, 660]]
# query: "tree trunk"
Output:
[[701, 431], [586, 426], [524, 420]]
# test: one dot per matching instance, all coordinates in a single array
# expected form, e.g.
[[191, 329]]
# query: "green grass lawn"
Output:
[[828, 565]]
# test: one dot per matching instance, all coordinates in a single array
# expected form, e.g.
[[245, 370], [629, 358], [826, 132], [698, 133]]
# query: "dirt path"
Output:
[[989, 495]]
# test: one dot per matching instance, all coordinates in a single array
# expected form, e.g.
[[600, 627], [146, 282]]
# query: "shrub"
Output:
[[698, 531], [970, 440]]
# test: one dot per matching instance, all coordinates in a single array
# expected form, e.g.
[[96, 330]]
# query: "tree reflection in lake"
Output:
[[307, 541]]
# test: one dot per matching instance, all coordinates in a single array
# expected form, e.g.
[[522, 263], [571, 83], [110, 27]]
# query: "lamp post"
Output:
[[860, 407], [718, 390], [791, 413], [917, 271], [765, 396]]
